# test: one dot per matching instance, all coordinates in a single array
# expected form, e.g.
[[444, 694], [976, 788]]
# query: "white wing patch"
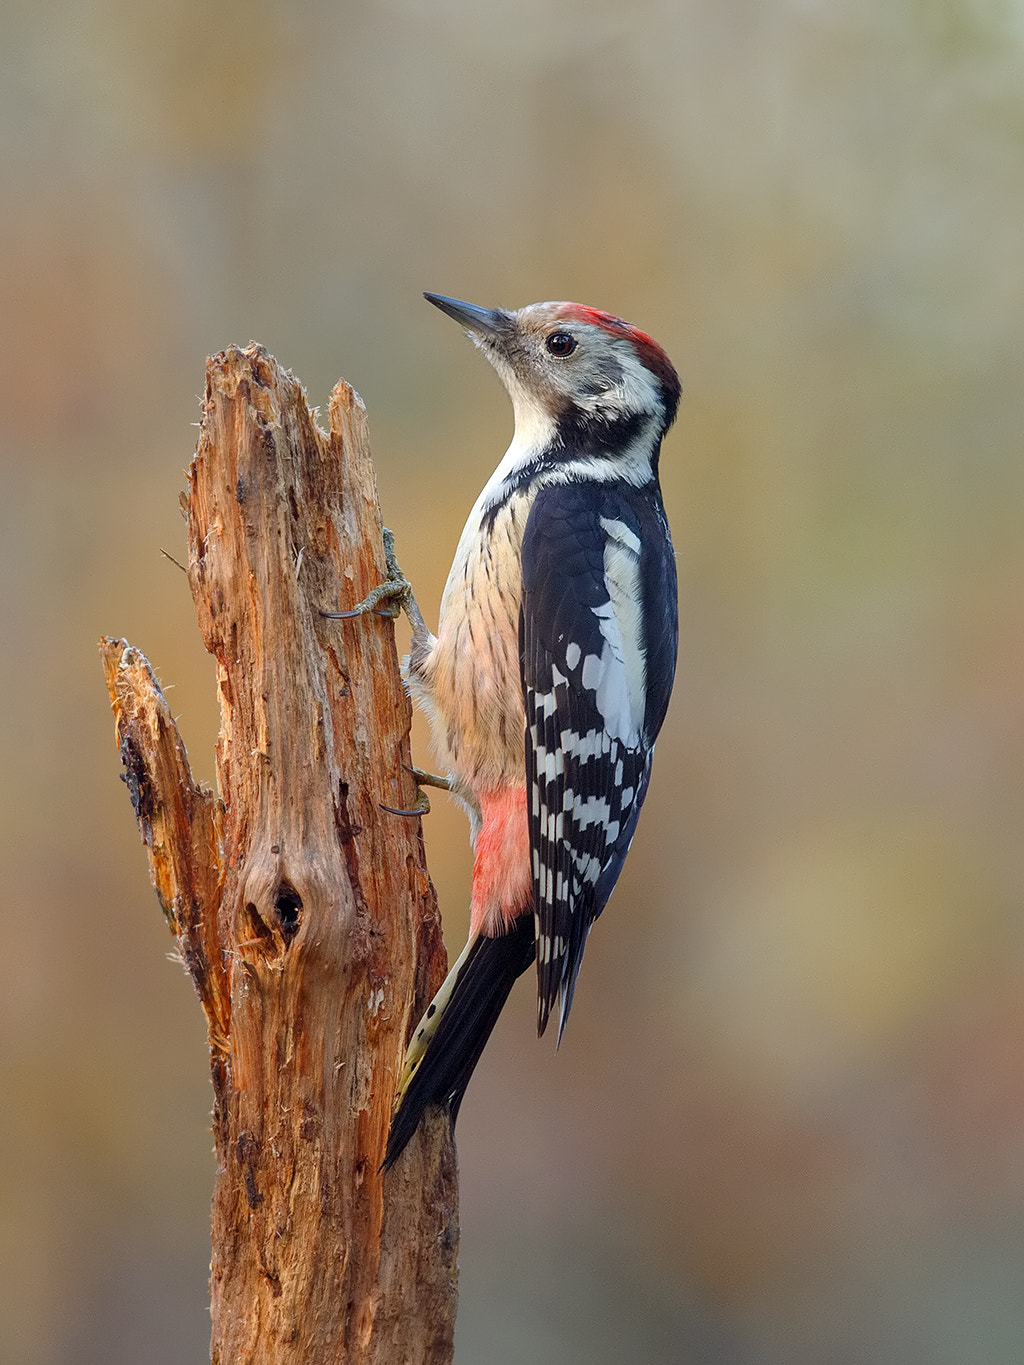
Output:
[[618, 676], [620, 532]]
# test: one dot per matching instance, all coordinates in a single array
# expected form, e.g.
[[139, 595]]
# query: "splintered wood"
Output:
[[303, 912]]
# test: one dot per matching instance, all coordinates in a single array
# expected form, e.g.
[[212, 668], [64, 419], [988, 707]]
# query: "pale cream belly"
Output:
[[470, 682], [478, 724]]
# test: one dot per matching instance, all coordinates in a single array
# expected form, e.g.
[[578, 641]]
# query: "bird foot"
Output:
[[395, 592], [422, 779], [391, 598]]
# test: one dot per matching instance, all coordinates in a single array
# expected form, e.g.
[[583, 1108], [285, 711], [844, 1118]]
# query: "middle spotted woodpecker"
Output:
[[550, 674]]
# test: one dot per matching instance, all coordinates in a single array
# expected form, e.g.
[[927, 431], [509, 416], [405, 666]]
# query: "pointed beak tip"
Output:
[[446, 303], [483, 321]]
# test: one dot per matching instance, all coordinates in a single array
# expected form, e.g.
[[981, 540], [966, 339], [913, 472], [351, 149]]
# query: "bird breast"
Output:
[[473, 671]]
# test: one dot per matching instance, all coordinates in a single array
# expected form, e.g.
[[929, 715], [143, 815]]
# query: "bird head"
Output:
[[567, 366]]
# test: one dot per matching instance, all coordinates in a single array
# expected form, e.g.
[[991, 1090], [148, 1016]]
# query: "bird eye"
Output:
[[561, 343]]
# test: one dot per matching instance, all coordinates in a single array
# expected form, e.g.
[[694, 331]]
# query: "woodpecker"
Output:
[[550, 674]]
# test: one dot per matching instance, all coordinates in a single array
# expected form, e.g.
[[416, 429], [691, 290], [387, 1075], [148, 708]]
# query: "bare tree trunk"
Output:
[[304, 912]]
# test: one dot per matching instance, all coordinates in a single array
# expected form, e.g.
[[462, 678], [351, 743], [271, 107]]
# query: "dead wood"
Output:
[[303, 912]]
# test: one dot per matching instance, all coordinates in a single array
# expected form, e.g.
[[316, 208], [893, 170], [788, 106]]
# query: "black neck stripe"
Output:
[[553, 459], [589, 433]]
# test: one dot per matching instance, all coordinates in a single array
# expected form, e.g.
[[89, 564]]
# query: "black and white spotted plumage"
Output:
[[597, 676], [550, 674]]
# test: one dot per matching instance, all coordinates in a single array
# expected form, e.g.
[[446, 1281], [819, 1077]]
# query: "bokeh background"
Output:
[[787, 1122]]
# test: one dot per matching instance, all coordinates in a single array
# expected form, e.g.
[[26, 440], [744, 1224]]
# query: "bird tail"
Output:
[[450, 1037]]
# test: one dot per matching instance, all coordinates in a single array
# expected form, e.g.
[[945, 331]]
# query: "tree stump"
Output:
[[303, 912]]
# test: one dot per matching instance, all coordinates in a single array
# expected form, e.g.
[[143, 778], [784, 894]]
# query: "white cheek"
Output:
[[639, 388]]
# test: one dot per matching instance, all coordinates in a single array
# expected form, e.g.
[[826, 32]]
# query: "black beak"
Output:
[[484, 322]]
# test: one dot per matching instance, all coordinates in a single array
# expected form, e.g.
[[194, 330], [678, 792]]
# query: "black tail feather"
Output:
[[480, 992]]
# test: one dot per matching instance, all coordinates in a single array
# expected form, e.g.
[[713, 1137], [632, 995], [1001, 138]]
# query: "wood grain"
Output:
[[303, 911]]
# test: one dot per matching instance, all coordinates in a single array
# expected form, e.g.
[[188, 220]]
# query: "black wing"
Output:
[[597, 634]]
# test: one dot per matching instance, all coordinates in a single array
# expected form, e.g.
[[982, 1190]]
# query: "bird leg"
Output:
[[396, 595], [425, 779]]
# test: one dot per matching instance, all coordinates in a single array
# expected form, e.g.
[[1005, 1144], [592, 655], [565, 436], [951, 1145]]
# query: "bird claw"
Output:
[[396, 591], [422, 807], [422, 779]]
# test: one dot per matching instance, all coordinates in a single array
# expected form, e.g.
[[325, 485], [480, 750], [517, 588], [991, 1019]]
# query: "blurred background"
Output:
[[786, 1125]]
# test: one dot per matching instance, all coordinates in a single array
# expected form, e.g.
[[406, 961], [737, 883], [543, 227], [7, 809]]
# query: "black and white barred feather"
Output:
[[598, 636]]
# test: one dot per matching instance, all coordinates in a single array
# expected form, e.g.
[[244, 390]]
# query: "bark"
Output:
[[303, 912]]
